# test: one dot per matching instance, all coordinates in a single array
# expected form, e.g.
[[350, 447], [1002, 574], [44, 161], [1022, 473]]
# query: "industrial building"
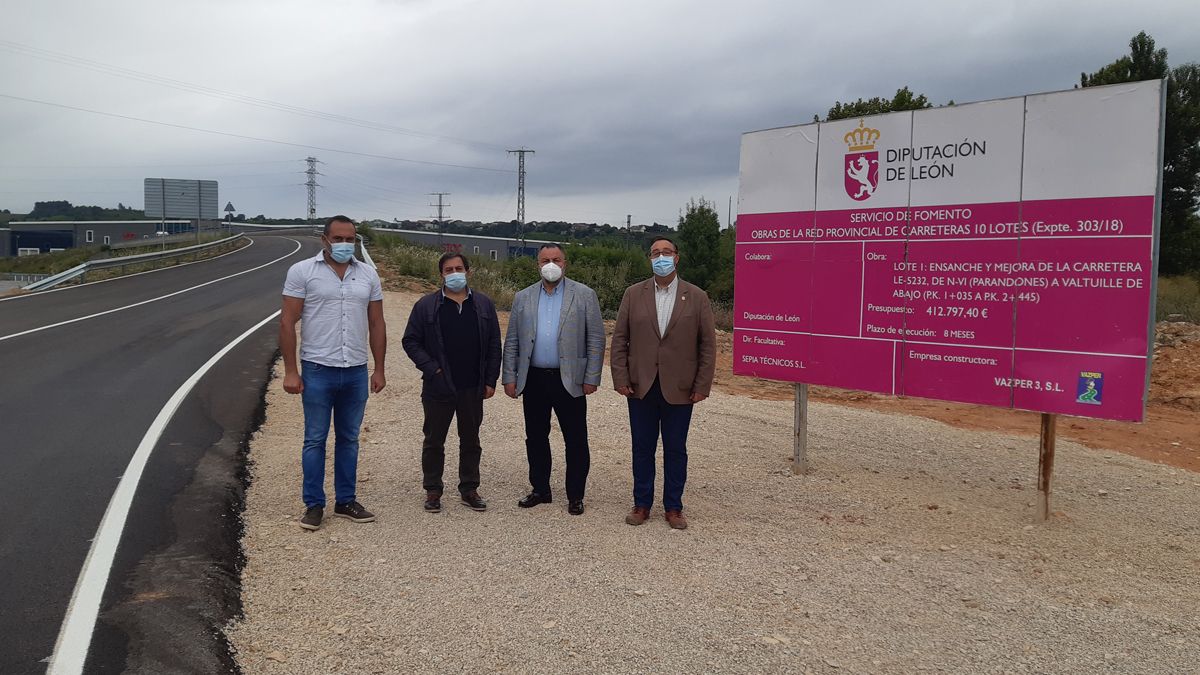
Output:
[[32, 237]]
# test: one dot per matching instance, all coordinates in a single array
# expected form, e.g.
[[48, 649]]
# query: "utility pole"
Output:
[[441, 211], [312, 186], [521, 193], [199, 213]]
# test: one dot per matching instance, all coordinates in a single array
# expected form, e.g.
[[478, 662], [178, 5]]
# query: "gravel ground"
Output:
[[907, 548]]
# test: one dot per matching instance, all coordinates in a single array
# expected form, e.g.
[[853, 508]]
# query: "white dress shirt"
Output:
[[333, 325], [664, 302]]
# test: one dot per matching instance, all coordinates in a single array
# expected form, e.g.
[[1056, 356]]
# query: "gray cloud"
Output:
[[631, 107]]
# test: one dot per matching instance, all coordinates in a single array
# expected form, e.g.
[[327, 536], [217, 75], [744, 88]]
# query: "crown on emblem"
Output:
[[862, 138]]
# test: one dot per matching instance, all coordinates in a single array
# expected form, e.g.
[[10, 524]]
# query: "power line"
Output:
[[139, 166], [127, 73], [253, 138]]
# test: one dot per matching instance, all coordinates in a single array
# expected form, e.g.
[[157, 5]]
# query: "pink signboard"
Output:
[[1001, 253]]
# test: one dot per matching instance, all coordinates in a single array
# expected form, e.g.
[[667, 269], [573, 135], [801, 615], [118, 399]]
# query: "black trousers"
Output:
[[468, 407], [543, 393]]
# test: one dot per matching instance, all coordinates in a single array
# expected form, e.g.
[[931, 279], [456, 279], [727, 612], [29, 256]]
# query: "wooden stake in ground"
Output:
[[800, 431], [1045, 464]]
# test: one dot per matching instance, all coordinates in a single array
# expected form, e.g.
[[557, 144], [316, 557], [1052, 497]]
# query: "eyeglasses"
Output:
[[656, 252]]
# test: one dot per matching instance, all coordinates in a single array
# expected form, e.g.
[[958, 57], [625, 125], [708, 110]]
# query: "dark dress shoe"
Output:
[[533, 499], [575, 507], [433, 502], [473, 501]]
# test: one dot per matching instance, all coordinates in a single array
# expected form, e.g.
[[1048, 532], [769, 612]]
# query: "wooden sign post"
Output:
[[800, 431], [1045, 465]]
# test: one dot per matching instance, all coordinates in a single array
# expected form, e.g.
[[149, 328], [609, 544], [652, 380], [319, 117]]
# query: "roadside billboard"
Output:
[[1002, 253], [180, 198]]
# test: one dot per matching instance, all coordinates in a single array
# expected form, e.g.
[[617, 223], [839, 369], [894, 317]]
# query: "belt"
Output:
[[554, 371]]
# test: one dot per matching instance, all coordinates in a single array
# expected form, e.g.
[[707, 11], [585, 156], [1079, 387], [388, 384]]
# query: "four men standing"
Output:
[[553, 358], [663, 360]]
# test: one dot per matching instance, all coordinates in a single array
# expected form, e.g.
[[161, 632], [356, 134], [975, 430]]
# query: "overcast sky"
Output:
[[631, 107]]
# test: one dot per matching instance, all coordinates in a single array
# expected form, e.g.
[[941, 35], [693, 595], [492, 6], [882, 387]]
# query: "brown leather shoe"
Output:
[[676, 520], [638, 515]]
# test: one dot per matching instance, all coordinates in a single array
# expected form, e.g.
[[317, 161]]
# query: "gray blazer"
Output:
[[580, 337]]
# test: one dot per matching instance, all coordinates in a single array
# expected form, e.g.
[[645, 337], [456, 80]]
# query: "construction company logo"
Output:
[[1090, 389], [862, 162]]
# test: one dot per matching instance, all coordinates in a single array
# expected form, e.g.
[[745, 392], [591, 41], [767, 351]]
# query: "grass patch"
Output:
[[59, 261], [1178, 299]]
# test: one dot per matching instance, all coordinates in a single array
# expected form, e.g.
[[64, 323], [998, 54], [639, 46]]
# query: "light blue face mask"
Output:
[[456, 281], [663, 265], [341, 252]]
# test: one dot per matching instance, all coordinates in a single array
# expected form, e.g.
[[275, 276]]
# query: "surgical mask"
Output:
[[456, 281], [663, 265], [341, 252], [551, 272]]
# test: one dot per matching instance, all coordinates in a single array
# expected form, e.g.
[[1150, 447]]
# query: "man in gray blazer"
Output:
[[553, 355]]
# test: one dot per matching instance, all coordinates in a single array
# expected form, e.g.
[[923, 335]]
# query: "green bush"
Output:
[[1178, 299]]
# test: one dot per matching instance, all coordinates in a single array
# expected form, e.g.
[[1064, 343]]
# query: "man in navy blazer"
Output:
[[553, 358]]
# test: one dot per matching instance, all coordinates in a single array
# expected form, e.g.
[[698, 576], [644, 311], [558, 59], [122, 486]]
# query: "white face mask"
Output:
[[551, 272]]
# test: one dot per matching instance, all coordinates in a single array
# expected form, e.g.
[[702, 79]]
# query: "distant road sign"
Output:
[[182, 198]]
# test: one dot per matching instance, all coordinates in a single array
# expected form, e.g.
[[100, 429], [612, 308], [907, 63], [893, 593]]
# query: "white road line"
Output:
[[145, 302], [38, 294], [75, 636]]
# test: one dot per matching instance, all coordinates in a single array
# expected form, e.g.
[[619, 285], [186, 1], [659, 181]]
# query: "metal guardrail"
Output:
[[362, 245], [21, 277], [80, 270]]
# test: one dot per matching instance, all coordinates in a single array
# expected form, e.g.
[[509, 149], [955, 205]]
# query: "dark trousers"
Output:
[[647, 417], [468, 407], [544, 392]]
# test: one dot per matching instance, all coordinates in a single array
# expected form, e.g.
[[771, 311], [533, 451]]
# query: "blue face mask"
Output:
[[456, 281], [663, 265], [341, 252]]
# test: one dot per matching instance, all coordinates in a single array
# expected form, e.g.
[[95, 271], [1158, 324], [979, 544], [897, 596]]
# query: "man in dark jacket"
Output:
[[453, 338]]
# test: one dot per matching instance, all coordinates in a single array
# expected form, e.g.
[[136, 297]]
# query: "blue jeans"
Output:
[[342, 393], [647, 416]]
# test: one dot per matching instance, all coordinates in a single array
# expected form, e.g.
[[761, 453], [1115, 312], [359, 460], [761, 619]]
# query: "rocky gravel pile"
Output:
[[910, 547]]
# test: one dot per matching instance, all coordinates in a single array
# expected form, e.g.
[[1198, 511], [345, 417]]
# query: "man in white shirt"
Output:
[[339, 303]]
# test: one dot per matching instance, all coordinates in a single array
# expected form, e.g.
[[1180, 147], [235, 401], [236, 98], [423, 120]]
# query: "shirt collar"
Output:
[[443, 291], [557, 289], [670, 287]]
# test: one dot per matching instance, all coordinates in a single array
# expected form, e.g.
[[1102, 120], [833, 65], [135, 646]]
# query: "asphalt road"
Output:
[[76, 400]]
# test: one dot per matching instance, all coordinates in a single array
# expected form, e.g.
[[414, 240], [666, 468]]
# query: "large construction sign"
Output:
[[1001, 253]]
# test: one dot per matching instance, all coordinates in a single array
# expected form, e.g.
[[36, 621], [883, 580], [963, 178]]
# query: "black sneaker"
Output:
[[474, 501], [433, 502], [353, 511], [312, 518]]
